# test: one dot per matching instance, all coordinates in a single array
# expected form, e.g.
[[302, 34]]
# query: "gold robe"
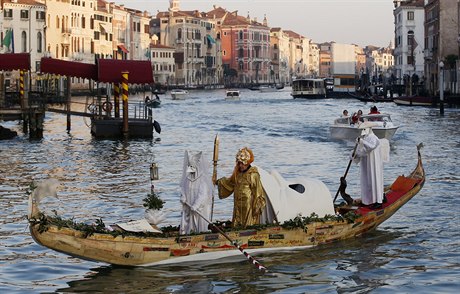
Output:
[[249, 196]]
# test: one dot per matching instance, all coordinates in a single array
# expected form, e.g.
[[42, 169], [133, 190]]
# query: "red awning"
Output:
[[123, 48], [15, 61], [68, 68], [140, 71]]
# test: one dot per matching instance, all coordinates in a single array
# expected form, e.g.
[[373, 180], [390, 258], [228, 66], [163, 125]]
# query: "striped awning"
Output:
[[123, 48]]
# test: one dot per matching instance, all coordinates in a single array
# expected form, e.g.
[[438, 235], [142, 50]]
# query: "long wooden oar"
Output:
[[251, 259], [348, 167]]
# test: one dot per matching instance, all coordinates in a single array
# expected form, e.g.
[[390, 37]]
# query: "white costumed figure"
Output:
[[371, 152], [196, 190]]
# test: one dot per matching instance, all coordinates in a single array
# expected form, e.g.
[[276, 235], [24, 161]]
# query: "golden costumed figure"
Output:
[[245, 184]]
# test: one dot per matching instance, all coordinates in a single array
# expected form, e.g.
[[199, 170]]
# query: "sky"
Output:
[[361, 22]]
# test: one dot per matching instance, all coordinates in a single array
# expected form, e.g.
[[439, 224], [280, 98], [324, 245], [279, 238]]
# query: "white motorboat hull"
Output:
[[179, 95], [352, 132]]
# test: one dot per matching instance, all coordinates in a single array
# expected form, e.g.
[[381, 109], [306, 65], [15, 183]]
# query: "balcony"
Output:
[[66, 32]]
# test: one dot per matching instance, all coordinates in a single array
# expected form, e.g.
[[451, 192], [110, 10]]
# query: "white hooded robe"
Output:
[[369, 155], [196, 190]]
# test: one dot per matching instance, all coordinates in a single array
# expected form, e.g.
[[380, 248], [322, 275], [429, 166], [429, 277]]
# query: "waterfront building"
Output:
[[102, 26], [383, 61], [441, 43], [343, 67], [22, 30], [163, 65], [409, 18], [361, 69], [139, 34], [121, 33], [279, 42], [325, 60], [245, 47], [299, 54], [191, 33], [313, 61]]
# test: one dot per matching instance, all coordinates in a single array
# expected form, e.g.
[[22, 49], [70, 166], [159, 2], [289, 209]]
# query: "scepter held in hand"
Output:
[[215, 158]]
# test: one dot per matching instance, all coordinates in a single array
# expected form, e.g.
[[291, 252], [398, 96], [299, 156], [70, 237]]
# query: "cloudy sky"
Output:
[[362, 22]]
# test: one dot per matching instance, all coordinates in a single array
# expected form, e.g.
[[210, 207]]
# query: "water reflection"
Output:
[[343, 267]]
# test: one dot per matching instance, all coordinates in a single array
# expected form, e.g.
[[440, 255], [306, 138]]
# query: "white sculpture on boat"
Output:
[[300, 197]]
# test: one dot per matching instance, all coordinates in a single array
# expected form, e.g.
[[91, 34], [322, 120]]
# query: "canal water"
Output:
[[416, 250]]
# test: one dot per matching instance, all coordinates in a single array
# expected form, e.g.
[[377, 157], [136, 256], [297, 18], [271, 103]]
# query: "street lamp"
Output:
[[441, 87], [154, 172]]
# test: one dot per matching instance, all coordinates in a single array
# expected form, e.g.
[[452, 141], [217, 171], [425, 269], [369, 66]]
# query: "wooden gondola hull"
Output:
[[148, 250]]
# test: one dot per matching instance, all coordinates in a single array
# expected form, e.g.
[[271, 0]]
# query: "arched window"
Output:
[[23, 42], [39, 42], [410, 38], [179, 34]]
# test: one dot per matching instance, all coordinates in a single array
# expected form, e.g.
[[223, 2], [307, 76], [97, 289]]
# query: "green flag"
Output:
[[7, 38]]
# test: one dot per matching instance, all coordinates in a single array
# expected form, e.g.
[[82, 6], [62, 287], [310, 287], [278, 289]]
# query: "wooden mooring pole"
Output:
[[68, 103], [125, 93]]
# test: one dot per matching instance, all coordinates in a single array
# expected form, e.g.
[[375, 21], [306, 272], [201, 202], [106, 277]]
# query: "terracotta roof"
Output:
[[275, 30], [218, 12], [416, 3], [292, 34], [101, 5], [233, 19]]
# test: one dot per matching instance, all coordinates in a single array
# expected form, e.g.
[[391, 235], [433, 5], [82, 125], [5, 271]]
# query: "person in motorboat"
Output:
[[371, 153], [247, 190], [374, 110], [345, 113], [356, 116]]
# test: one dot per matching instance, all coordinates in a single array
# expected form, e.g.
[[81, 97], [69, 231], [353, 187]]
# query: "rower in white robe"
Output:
[[371, 153], [196, 193]]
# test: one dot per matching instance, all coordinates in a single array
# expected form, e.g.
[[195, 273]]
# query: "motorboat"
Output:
[[347, 129], [179, 94], [309, 88], [232, 95]]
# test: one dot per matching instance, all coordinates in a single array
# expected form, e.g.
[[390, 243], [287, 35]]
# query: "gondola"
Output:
[[331, 223]]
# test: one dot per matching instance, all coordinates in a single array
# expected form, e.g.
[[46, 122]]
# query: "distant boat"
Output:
[[232, 95], [268, 89], [154, 103], [415, 100], [308, 88], [179, 94], [371, 98]]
